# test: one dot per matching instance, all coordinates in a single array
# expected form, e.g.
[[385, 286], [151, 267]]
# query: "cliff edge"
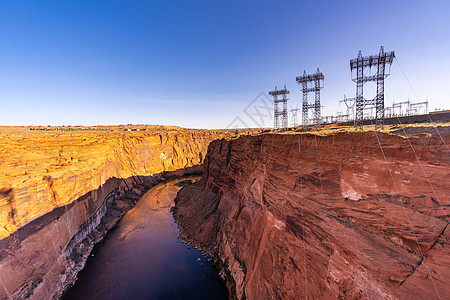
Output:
[[56, 187], [346, 215]]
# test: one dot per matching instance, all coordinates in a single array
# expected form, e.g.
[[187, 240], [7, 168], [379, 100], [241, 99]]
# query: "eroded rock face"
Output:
[[43, 170], [350, 215], [53, 188]]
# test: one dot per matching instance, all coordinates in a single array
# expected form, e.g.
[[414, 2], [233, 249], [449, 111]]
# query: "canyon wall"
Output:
[[54, 190], [343, 215]]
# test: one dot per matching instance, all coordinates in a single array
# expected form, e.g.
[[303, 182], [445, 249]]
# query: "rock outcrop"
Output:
[[55, 188], [346, 215]]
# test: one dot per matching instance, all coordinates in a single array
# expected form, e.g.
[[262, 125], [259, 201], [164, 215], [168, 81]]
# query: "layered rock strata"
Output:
[[57, 188], [347, 215]]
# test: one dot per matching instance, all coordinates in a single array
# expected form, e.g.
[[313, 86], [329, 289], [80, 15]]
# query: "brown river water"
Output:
[[142, 258]]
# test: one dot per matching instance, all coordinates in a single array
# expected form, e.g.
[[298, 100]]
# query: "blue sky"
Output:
[[200, 63]]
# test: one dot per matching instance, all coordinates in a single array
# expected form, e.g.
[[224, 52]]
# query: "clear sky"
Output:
[[200, 63]]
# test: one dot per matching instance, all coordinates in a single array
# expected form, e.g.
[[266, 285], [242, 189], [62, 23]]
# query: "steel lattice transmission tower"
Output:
[[294, 116], [280, 113], [350, 104], [317, 84], [368, 62]]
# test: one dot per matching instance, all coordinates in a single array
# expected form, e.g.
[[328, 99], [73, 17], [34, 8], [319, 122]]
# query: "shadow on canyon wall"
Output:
[[71, 230], [13, 241]]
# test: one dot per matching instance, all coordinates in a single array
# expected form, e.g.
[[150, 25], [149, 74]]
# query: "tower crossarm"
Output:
[[312, 89], [370, 101], [373, 60], [371, 78], [347, 100], [279, 92], [419, 103], [309, 105], [310, 77]]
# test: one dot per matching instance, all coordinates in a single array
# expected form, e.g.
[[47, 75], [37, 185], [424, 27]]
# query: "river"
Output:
[[142, 258]]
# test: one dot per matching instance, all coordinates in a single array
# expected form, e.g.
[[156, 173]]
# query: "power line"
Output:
[[348, 211], [406, 214], [325, 213], [414, 91], [303, 217], [423, 170]]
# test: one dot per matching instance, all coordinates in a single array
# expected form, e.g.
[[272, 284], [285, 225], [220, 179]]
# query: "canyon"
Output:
[[331, 214], [61, 191], [143, 258], [349, 215]]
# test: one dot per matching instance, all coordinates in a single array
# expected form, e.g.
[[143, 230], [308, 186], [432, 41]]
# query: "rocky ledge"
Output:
[[56, 187], [346, 215]]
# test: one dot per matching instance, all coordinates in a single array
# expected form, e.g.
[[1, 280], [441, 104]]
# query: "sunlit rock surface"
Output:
[[54, 187], [348, 215]]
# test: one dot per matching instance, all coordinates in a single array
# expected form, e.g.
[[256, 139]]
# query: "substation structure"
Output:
[[406, 108], [294, 116], [398, 109], [350, 105], [316, 81], [280, 98], [378, 61]]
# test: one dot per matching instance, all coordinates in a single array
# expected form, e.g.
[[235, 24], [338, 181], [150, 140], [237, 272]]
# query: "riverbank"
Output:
[[341, 214], [143, 257], [53, 187], [115, 207]]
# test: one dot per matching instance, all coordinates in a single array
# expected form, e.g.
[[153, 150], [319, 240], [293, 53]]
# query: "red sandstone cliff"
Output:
[[54, 188], [319, 217]]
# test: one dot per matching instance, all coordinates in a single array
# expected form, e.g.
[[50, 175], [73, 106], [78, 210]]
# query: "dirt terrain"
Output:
[[333, 215]]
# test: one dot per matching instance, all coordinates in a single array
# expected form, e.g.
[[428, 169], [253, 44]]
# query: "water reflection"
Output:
[[142, 258]]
